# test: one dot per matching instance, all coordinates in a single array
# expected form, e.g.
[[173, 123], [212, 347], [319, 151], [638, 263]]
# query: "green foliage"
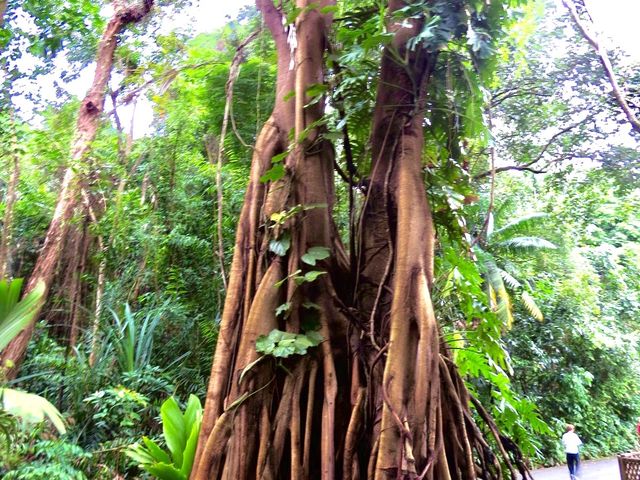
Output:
[[281, 344], [181, 436], [314, 254], [132, 339], [281, 245], [474, 333], [117, 409], [274, 173], [16, 315], [51, 460]]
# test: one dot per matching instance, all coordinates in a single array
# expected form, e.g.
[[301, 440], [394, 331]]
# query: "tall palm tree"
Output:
[[493, 249]]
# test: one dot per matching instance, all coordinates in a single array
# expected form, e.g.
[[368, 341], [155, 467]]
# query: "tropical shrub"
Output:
[[50, 460], [180, 432]]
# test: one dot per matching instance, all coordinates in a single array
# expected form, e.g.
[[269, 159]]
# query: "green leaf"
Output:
[[285, 344], [190, 447], [285, 307], [329, 9], [281, 245], [165, 471], [18, 315], [314, 254], [289, 95], [174, 429], [140, 454], [279, 157], [9, 295], [314, 337], [285, 348], [192, 412], [316, 89], [284, 215], [309, 277], [155, 451], [291, 17], [265, 344], [274, 173]]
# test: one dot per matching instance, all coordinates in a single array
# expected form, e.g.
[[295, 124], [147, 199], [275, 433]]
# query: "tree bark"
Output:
[[10, 200], [379, 397], [3, 10], [68, 197]]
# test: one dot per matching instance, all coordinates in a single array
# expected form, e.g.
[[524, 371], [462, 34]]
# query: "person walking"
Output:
[[572, 443]]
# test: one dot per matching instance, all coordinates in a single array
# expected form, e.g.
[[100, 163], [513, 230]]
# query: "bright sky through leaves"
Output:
[[615, 19]]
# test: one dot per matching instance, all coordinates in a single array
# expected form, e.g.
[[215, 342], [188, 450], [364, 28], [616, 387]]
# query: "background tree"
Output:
[[70, 191]]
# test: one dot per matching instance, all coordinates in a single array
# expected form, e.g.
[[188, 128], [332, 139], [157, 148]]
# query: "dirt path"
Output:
[[605, 469]]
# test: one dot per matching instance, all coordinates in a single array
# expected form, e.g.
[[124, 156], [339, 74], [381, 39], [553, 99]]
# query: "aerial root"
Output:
[[309, 418], [355, 423]]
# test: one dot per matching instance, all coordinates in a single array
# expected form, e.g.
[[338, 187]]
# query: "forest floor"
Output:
[[603, 469]]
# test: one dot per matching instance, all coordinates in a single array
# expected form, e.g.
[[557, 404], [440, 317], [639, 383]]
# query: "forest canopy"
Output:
[[329, 239]]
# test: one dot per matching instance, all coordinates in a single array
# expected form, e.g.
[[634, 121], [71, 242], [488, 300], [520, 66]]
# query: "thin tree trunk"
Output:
[[124, 150], [76, 294], [234, 72], [3, 10], [86, 130], [10, 200]]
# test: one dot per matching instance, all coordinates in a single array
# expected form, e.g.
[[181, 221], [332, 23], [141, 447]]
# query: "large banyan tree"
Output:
[[330, 361]]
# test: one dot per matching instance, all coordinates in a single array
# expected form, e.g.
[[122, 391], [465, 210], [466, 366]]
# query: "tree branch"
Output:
[[529, 165], [606, 63]]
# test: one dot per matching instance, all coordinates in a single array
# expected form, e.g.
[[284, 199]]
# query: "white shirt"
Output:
[[571, 442]]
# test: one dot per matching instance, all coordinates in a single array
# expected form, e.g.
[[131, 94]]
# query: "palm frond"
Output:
[[510, 280], [31, 408], [531, 306], [519, 225], [500, 300], [526, 244]]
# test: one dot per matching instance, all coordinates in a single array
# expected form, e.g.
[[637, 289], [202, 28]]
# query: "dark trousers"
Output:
[[573, 462]]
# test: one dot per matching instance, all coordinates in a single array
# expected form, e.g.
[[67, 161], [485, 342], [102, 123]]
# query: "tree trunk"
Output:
[[68, 198], [379, 397], [10, 200], [3, 10]]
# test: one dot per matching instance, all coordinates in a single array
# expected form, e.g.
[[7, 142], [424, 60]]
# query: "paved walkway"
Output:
[[605, 469]]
